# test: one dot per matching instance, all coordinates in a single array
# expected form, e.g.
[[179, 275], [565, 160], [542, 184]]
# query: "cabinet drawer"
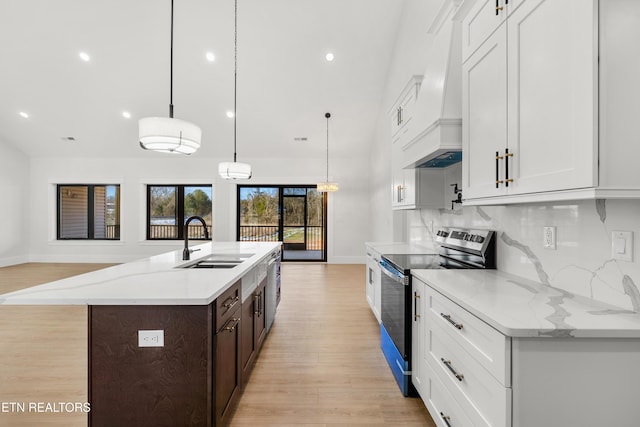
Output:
[[479, 394], [443, 408], [227, 303], [486, 345]]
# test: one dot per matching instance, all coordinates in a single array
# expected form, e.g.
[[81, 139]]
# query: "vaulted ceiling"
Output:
[[285, 84]]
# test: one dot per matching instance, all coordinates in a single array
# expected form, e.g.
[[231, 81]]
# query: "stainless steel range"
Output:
[[458, 249]]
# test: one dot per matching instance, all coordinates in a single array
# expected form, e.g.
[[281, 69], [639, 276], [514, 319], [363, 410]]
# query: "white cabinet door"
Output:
[[418, 337], [483, 19], [552, 113], [530, 90], [402, 111], [373, 283], [484, 117]]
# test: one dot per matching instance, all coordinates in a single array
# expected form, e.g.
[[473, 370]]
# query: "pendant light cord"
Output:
[[235, 79], [171, 68], [327, 115]]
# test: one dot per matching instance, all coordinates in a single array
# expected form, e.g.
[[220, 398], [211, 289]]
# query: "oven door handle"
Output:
[[404, 280]]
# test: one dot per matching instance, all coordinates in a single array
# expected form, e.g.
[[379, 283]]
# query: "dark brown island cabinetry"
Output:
[[192, 380], [254, 329]]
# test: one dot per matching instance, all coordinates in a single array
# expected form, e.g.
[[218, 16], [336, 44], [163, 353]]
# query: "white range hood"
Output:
[[436, 139]]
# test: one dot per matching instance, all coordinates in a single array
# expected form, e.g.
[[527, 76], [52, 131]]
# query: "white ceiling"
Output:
[[285, 85]]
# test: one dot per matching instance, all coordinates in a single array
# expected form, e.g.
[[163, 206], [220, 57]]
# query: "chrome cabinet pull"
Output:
[[400, 198], [231, 328], [230, 302], [447, 363], [416, 316], [445, 418], [448, 318]]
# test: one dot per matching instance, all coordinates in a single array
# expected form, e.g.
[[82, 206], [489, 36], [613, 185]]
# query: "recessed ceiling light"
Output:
[[84, 56], [230, 114], [210, 56], [329, 57], [23, 115], [126, 114]]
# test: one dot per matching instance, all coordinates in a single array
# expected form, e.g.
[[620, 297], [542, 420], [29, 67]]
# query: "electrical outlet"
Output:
[[549, 237], [151, 338]]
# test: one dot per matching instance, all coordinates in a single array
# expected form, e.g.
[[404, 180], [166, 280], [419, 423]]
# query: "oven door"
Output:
[[396, 306]]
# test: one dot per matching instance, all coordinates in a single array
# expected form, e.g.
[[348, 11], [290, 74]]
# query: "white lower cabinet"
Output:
[[419, 368], [443, 408], [461, 365], [471, 375], [485, 400], [373, 282]]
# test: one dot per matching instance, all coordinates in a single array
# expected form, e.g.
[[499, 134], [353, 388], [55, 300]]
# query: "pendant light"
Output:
[[166, 134], [326, 186], [235, 170]]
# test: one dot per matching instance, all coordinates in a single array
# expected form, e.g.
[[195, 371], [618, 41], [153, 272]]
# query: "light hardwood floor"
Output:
[[320, 365]]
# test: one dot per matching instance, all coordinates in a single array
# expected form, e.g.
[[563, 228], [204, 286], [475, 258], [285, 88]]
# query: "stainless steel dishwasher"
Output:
[[272, 291]]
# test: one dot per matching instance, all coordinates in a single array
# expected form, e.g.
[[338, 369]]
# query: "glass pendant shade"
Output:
[[327, 187], [234, 170], [168, 135]]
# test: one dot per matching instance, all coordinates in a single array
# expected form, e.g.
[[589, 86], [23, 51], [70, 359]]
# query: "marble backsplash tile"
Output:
[[581, 264]]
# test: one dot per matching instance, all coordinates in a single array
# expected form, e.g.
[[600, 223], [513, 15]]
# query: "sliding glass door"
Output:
[[294, 214]]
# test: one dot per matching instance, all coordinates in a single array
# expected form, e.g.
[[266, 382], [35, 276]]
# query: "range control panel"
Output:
[[460, 238]]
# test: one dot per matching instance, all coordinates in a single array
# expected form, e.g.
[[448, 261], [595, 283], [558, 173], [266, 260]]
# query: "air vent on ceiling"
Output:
[[300, 139], [68, 138]]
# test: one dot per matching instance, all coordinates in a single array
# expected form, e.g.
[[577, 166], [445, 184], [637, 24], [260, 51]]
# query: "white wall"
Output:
[[14, 205], [346, 231]]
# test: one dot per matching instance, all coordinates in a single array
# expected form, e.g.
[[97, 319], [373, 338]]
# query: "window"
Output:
[[169, 207], [88, 212], [296, 215]]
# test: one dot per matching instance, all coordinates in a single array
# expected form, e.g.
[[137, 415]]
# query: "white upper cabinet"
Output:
[[483, 18], [530, 100], [484, 112], [402, 111], [411, 188], [550, 99]]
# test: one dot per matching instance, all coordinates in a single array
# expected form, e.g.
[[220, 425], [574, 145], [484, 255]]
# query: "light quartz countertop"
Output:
[[156, 280], [519, 307], [389, 248]]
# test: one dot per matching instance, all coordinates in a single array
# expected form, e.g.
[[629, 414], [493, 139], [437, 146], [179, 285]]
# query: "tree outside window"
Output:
[[169, 207]]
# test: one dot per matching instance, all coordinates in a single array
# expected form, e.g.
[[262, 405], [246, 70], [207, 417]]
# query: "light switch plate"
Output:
[[622, 245], [152, 338]]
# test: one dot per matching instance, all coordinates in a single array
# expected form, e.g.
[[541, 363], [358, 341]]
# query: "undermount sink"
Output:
[[218, 261]]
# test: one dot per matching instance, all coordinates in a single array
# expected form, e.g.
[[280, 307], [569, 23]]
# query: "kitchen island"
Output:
[[168, 342]]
